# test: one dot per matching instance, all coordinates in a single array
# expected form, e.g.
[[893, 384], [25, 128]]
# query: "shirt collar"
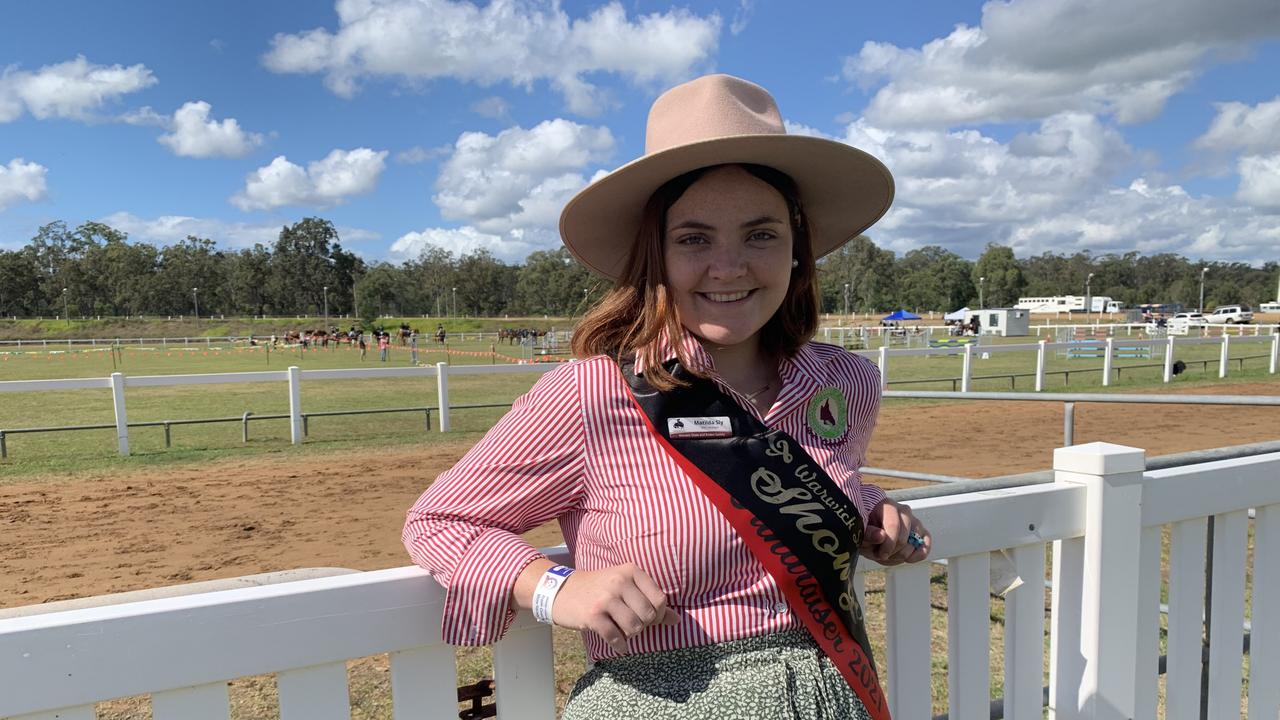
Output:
[[666, 349], [806, 364]]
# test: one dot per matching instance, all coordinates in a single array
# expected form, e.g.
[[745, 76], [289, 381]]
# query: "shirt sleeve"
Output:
[[465, 529], [864, 409]]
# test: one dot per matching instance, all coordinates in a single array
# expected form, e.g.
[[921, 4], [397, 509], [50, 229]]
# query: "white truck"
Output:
[[1069, 304]]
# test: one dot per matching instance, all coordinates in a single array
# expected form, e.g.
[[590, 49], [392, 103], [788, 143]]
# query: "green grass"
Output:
[[92, 450], [175, 327], [89, 450]]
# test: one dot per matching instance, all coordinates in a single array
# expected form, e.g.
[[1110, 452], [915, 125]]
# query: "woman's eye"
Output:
[[691, 240], [762, 236]]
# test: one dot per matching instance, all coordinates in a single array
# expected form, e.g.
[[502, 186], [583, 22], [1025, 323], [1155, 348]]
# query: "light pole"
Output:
[[195, 300], [66, 314], [455, 302], [326, 307], [1203, 272], [1088, 297], [845, 319], [982, 282]]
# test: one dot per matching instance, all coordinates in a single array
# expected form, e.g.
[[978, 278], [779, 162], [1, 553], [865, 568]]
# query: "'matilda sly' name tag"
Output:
[[699, 427]]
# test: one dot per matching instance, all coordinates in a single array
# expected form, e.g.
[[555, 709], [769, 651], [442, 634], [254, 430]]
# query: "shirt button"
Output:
[[779, 608]]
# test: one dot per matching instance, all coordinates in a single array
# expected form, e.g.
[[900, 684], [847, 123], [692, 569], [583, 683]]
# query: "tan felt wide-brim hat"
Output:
[[716, 120]]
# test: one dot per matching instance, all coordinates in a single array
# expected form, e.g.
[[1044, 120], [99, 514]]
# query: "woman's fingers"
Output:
[[888, 541], [616, 603]]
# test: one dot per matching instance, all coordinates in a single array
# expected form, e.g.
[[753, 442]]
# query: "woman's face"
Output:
[[727, 249]]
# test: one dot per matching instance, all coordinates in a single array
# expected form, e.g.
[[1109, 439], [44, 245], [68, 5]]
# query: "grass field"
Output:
[[69, 452]]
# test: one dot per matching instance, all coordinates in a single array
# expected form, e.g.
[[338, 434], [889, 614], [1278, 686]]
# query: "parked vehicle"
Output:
[[1269, 307], [1181, 323], [1229, 315]]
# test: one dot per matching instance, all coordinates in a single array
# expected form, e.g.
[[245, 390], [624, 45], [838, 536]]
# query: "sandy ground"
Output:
[[68, 538]]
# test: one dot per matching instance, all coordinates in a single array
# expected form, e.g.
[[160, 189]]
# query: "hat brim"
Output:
[[843, 191]]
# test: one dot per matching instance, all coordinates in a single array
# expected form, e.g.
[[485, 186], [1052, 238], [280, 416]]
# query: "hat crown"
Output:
[[710, 107]]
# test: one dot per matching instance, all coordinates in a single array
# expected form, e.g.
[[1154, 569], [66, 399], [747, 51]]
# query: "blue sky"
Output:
[[1048, 125]]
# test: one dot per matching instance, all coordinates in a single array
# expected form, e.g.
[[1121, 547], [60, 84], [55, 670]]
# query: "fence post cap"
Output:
[[1099, 458]]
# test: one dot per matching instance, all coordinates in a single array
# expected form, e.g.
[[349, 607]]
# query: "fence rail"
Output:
[[1103, 516], [299, 420]]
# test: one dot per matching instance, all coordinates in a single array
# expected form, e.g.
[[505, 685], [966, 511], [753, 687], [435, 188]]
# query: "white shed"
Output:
[[1006, 322]]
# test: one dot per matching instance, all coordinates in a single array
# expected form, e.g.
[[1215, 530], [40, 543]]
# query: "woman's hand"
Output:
[[615, 603], [885, 537]]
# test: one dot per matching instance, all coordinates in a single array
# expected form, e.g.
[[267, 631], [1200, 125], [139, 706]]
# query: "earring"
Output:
[[794, 263]]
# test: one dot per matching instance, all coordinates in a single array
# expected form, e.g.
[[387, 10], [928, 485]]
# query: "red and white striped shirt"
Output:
[[576, 449]]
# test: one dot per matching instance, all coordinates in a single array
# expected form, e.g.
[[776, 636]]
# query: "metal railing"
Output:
[[1066, 380], [242, 419]]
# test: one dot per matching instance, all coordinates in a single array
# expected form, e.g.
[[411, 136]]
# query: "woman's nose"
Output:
[[728, 260]]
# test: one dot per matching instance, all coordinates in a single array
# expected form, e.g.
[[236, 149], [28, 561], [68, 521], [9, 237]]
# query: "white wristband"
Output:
[[545, 594]]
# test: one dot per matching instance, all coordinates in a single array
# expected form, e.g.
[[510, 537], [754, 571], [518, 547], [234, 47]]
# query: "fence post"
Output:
[[1106, 364], [1106, 657], [1223, 355], [1275, 353], [1168, 361], [967, 370], [1040, 365], [295, 405], [442, 392], [122, 420], [884, 367]]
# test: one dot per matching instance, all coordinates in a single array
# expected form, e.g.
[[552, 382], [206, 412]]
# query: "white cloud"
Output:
[[71, 89], [511, 41], [1061, 188], [1036, 58], [329, 181], [22, 181], [492, 107], [512, 247], [1241, 127], [145, 117], [742, 16], [1260, 181], [518, 178], [418, 154], [167, 229], [193, 134]]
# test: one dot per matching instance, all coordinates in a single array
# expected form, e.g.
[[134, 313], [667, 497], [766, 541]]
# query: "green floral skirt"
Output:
[[784, 676]]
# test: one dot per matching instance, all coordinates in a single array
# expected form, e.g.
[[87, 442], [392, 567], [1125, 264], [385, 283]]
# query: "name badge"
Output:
[[699, 427]]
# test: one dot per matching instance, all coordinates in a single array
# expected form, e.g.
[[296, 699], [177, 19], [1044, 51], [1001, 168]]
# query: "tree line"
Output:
[[935, 279], [94, 270]]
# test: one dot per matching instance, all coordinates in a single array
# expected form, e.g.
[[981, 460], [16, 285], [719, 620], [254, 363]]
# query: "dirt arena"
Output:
[[92, 535]]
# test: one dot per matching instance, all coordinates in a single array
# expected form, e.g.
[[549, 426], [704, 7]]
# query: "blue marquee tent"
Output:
[[900, 315]]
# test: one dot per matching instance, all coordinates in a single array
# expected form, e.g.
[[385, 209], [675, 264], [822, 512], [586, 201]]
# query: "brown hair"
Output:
[[633, 316]]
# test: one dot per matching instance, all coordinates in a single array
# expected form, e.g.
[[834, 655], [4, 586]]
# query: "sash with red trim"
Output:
[[795, 520]]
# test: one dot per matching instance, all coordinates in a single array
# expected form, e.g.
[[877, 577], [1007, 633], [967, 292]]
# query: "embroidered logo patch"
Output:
[[699, 427], [828, 414]]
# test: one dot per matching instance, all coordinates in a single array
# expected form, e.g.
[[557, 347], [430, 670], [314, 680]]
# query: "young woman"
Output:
[[702, 455]]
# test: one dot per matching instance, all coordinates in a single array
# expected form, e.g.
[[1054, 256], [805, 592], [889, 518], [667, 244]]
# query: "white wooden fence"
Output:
[[1168, 345], [117, 382], [1103, 517], [293, 375]]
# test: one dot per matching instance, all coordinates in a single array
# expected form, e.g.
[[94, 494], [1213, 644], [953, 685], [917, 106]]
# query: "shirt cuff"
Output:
[[477, 605], [869, 497]]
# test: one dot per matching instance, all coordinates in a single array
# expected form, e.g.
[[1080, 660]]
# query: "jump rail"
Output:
[[1103, 619]]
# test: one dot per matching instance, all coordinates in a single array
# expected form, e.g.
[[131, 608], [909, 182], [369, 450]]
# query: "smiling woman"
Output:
[[702, 457]]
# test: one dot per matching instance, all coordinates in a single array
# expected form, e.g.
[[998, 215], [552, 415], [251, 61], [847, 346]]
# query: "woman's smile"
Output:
[[726, 298], [728, 250]]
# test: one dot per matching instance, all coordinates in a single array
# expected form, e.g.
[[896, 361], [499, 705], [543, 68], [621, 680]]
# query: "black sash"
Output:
[[795, 520]]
